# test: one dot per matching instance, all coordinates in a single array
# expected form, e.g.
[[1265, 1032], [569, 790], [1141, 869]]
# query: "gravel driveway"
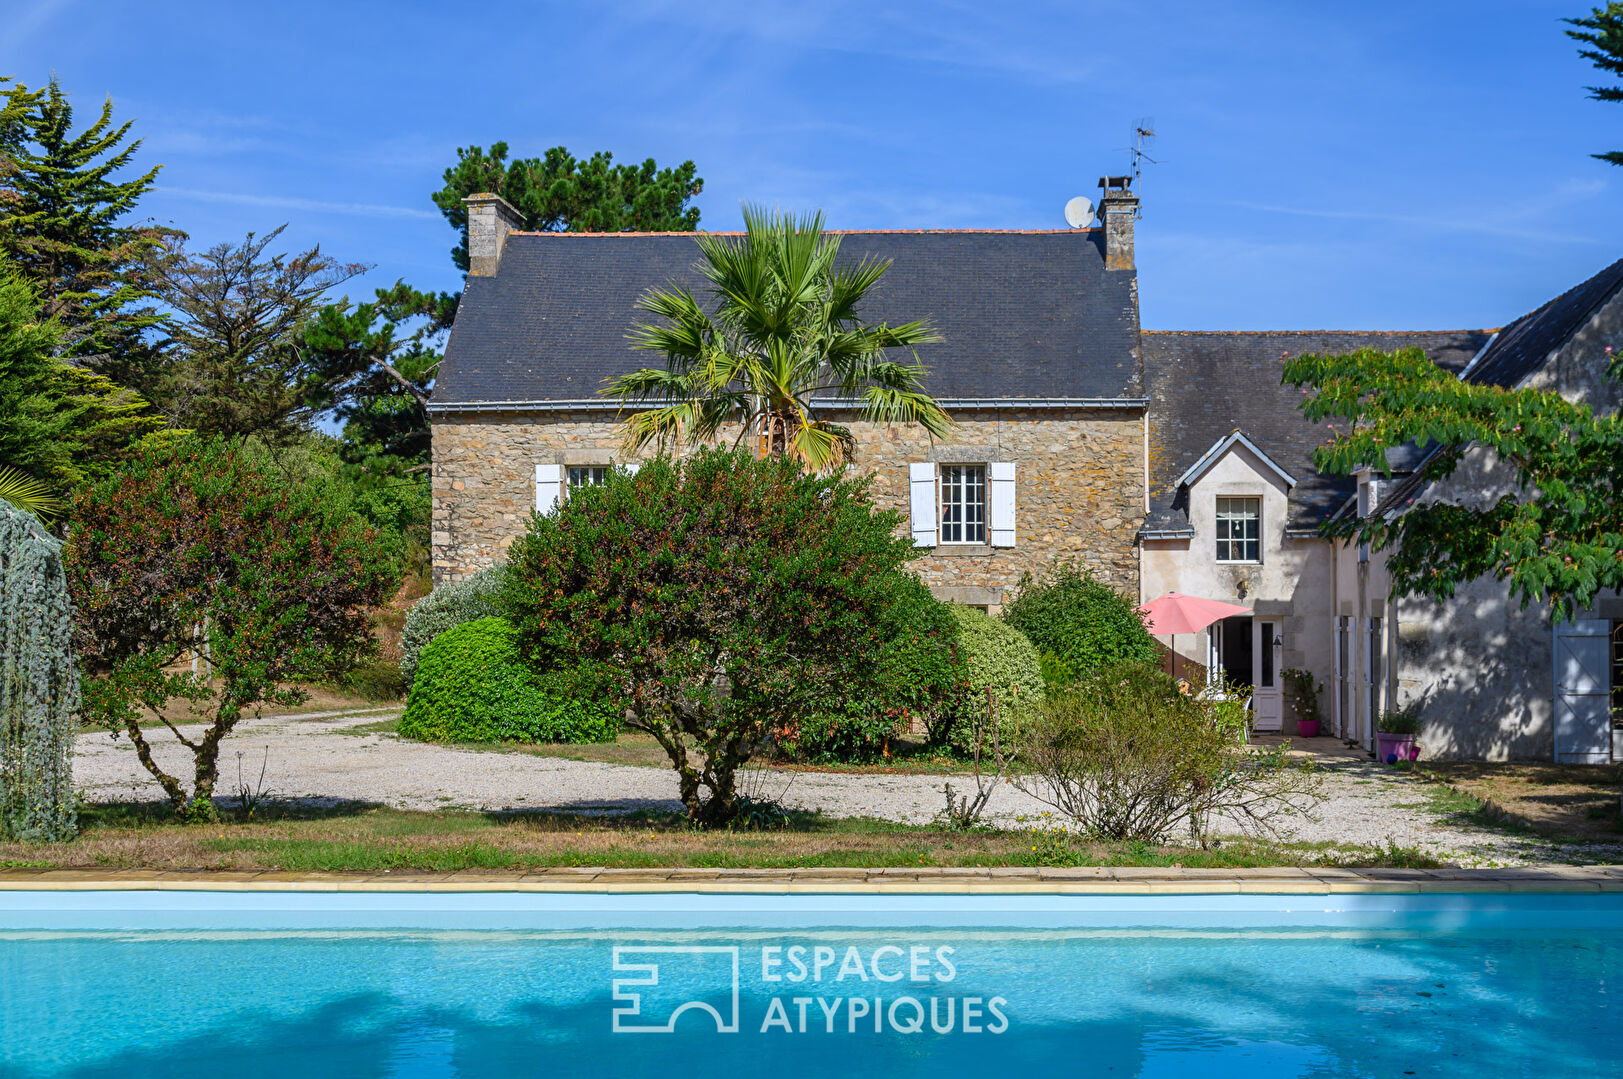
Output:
[[320, 757]]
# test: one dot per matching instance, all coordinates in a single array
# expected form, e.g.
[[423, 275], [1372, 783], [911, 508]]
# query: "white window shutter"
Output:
[[1002, 517], [549, 487], [921, 478]]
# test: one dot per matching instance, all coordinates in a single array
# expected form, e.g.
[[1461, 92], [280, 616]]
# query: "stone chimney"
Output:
[[490, 219], [1118, 207]]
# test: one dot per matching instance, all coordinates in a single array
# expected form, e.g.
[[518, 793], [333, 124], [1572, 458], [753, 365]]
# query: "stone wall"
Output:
[[1079, 487]]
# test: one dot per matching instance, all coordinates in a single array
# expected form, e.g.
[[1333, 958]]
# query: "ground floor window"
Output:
[[963, 503], [588, 475]]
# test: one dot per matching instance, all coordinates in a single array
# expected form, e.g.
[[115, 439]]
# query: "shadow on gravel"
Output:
[[147, 813]]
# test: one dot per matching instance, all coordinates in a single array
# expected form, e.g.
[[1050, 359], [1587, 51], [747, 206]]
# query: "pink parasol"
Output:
[[1178, 613]]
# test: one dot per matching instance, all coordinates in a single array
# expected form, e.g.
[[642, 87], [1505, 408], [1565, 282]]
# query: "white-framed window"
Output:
[[588, 475], [1239, 528], [963, 504]]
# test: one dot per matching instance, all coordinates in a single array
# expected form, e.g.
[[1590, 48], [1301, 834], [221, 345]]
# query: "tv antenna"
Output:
[[1143, 138]]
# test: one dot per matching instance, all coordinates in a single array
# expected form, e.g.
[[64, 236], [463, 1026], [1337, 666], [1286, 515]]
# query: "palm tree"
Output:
[[27, 494], [784, 345]]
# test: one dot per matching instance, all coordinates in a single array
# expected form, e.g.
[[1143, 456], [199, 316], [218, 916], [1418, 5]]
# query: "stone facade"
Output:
[[1079, 487]]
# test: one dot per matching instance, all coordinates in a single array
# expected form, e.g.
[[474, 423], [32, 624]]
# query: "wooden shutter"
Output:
[[1583, 729], [1002, 496], [921, 481], [549, 487]]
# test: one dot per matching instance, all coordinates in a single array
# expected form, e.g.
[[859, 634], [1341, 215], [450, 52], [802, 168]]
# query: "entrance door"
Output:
[[1583, 729], [1267, 702]]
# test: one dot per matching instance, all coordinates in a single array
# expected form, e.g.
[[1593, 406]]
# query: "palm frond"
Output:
[[29, 495]]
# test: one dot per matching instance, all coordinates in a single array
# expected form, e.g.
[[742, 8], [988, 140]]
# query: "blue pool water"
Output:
[[245, 985]]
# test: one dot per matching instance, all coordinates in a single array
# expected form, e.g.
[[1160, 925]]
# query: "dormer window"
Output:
[[1239, 528]]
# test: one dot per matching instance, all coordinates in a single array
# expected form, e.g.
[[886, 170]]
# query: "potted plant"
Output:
[[1303, 691], [1395, 734]]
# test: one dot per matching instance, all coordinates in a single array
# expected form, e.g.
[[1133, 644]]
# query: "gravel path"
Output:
[[320, 757]]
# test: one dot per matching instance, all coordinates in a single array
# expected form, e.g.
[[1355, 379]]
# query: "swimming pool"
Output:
[[250, 984]]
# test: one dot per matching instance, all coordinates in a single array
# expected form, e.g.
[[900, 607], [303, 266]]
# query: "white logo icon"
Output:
[[715, 962]]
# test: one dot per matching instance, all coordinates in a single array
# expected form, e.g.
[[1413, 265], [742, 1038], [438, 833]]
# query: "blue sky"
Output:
[[1362, 165]]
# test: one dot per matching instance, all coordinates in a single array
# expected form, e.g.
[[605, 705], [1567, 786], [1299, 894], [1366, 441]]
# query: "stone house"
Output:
[[1040, 368], [1162, 461]]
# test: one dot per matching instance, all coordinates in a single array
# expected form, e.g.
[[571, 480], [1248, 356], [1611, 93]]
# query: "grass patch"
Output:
[[1563, 803], [302, 838]]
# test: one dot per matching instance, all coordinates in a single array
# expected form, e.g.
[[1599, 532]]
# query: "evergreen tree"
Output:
[[376, 364], [558, 193], [64, 204], [234, 358], [1602, 31], [60, 424]]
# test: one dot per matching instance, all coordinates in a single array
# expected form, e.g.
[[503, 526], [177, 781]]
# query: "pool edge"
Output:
[[1084, 881]]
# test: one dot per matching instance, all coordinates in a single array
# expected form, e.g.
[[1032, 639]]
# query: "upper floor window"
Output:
[[963, 503], [588, 475], [1239, 526]]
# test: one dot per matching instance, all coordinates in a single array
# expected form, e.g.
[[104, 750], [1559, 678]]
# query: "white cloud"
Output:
[[286, 202]]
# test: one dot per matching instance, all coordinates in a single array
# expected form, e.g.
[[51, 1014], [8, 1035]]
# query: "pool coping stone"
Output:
[[1084, 880]]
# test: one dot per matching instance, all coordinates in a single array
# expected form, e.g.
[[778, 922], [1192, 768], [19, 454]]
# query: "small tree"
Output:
[[193, 549], [1126, 756], [725, 595], [39, 684]]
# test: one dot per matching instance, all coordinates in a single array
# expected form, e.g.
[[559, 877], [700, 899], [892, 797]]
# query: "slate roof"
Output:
[[1204, 386], [1517, 351], [1024, 314]]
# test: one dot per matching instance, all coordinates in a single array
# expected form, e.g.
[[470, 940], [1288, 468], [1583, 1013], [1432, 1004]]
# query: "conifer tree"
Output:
[[1602, 31], [65, 199]]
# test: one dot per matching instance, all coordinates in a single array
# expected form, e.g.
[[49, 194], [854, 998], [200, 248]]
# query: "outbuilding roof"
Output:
[[1205, 385]]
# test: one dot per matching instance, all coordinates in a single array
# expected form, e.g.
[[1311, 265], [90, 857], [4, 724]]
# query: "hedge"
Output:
[[472, 686], [1000, 657], [1079, 624]]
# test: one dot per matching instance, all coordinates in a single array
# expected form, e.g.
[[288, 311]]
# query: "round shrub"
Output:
[[918, 674], [1082, 623], [472, 686], [478, 596], [1000, 657]]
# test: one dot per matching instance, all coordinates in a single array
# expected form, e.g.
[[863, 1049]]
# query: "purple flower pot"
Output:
[[1307, 728], [1395, 747]]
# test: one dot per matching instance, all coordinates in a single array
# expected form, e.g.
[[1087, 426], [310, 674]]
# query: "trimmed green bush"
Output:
[[478, 596], [997, 656], [919, 674], [1079, 623], [472, 686]]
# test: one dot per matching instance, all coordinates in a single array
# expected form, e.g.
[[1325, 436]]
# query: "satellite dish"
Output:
[[1079, 211]]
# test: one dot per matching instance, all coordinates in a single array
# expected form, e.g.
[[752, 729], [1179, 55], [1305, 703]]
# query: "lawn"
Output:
[[371, 838], [1565, 802]]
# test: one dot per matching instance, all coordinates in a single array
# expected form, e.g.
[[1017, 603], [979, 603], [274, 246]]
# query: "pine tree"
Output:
[[1602, 31], [558, 193], [64, 204]]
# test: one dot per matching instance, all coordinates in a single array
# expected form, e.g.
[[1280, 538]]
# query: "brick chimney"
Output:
[[1118, 207], [490, 219]]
